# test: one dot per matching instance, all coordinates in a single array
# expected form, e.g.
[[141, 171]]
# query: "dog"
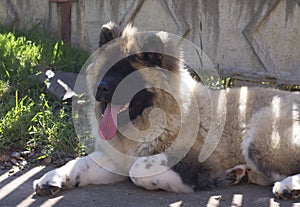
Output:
[[174, 133]]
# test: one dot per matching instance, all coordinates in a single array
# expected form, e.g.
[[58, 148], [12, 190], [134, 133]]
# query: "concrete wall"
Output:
[[244, 35]]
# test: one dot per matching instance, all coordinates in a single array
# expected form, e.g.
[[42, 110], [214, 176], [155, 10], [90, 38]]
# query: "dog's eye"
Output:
[[136, 57], [147, 58]]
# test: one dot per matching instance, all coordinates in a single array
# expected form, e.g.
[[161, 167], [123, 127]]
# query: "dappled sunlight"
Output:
[[214, 201], [28, 201], [275, 138], [13, 185], [273, 203], [216, 128], [17, 191], [221, 103], [52, 201], [3, 176], [237, 200], [176, 204], [243, 105], [296, 125]]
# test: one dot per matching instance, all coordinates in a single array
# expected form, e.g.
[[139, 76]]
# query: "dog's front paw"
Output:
[[51, 183], [289, 188], [237, 174]]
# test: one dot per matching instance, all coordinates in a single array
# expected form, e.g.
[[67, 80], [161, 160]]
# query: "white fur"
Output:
[[83, 171], [152, 173]]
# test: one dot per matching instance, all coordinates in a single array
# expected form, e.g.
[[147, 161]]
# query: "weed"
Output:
[[28, 121], [210, 77]]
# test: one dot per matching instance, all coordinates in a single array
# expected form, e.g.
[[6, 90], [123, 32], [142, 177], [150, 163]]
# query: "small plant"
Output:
[[28, 120], [209, 76]]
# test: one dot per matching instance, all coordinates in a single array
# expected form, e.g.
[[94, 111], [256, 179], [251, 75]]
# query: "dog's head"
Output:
[[140, 53]]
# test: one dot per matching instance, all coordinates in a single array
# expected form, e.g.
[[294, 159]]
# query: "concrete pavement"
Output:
[[16, 190]]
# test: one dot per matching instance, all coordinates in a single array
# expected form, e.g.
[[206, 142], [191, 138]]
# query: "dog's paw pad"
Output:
[[288, 188], [45, 190], [51, 183], [238, 174], [287, 194]]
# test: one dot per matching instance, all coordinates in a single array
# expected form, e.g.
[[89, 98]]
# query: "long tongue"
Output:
[[108, 125]]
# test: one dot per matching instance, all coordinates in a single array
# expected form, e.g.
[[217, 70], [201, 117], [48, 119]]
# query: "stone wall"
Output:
[[248, 36]]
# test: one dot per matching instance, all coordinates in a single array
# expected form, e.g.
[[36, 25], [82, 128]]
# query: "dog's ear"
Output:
[[152, 43], [109, 32]]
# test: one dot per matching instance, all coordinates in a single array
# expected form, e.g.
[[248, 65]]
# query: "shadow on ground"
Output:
[[16, 190]]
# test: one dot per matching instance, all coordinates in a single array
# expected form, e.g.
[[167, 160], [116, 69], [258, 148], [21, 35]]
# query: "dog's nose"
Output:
[[104, 87], [103, 91]]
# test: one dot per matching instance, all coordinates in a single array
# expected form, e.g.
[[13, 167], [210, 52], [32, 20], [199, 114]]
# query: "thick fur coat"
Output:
[[188, 137]]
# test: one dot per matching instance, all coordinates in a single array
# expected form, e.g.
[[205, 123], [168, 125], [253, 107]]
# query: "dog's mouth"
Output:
[[114, 113], [108, 125]]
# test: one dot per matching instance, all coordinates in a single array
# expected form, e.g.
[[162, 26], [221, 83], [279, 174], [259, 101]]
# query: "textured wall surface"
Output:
[[243, 35]]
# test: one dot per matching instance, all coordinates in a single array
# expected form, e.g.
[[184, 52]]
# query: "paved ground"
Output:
[[16, 190]]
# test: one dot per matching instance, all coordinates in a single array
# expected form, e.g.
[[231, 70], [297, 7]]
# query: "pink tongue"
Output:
[[108, 125]]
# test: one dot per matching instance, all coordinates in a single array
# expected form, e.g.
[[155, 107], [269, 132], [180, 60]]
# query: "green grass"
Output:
[[28, 120]]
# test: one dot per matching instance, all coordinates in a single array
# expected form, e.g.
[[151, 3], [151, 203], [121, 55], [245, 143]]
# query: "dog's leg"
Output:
[[243, 174], [78, 172], [288, 188], [153, 173]]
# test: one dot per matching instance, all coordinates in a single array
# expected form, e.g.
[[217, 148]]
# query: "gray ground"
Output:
[[16, 190]]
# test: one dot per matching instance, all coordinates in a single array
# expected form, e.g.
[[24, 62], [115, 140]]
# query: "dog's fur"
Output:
[[260, 142]]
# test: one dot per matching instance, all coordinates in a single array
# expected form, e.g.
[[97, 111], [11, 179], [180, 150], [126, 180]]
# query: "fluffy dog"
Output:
[[174, 133]]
